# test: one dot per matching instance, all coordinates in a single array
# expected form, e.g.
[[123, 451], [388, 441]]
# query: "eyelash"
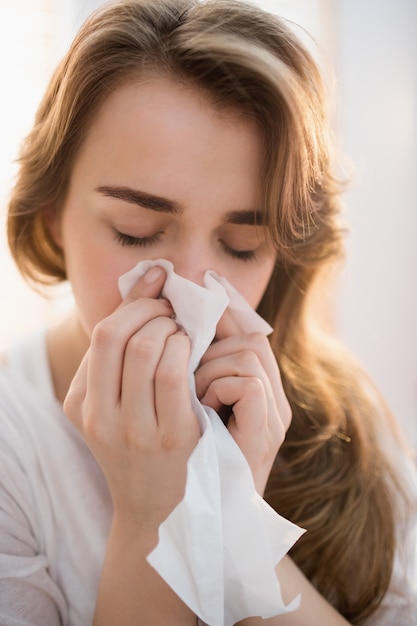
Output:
[[142, 242], [129, 240]]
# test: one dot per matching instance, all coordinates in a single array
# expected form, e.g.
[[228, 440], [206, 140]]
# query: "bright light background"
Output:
[[373, 48]]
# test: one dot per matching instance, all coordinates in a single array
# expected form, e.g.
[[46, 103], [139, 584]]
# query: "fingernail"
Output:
[[153, 274]]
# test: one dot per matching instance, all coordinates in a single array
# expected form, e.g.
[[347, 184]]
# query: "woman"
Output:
[[194, 132]]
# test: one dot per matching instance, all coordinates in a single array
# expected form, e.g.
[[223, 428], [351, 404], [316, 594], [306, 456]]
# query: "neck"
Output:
[[67, 342]]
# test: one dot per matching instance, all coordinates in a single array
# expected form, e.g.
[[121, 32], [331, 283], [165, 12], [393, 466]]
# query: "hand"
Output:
[[130, 401], [239, 370]]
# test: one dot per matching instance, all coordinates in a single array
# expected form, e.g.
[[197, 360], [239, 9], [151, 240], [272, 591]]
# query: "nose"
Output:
[[191, 261], [191, 271]]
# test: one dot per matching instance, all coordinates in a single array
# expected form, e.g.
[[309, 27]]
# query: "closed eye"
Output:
[[241, 255], [130, 240]]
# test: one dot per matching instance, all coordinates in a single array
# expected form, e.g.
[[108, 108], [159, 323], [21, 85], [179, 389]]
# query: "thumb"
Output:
[[147, 286]]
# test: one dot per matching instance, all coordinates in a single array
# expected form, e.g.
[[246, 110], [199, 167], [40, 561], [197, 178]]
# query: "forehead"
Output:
[[152, 95], [160, 130]]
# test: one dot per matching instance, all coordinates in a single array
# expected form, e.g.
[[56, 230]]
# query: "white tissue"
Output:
[[218, 548]]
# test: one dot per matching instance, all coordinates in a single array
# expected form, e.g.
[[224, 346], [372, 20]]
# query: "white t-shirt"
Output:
[[55, 509]]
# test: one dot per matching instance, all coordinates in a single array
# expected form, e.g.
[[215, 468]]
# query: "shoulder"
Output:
[[24, 365], [401, 598], [399, 605], [27, 403]]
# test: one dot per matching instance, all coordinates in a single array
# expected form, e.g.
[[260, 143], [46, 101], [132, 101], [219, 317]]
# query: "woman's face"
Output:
[[163, 174]]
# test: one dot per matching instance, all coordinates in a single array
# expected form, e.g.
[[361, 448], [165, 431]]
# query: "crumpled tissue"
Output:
[[218, 548]]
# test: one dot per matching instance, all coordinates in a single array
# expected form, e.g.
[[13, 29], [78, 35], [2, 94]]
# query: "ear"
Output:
[[52, 221]]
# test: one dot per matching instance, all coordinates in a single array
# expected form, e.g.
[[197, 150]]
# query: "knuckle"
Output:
[[92, 430], [71, 404], [134, 294], [143, 344], [257, 339], [169, 325], [247, 360], [170, 377], [181, 439], [255, 386], [140, 346], [133, 439], [91, 425], [73, 401], [104, 333], [169, 440]]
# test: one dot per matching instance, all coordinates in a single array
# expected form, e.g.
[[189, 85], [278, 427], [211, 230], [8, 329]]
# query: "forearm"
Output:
[[314, 610], [131, 592]]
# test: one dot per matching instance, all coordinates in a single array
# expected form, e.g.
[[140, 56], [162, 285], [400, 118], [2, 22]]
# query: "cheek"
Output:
[[93, 273], [253, 283], [255, 296], [95, 290]]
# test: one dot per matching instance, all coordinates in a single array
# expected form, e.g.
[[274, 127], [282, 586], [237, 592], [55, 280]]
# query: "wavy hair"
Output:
[[330, 475]]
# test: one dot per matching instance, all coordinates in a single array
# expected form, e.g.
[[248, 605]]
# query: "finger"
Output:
[[147, 286], [142, 356], [249, 427], [111, 334], [108, 343], [247, 396], [260, 346], [243, 363], [254, 342], [249, 423], [173, 403]]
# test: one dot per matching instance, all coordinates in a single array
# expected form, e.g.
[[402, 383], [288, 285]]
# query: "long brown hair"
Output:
[[330, 476]]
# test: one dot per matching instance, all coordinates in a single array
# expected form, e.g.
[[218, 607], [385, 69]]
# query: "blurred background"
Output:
[[368, 50]]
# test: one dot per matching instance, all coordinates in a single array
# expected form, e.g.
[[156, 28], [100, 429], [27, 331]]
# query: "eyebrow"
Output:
[[163, 205], [250, 218], [140, 198]]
